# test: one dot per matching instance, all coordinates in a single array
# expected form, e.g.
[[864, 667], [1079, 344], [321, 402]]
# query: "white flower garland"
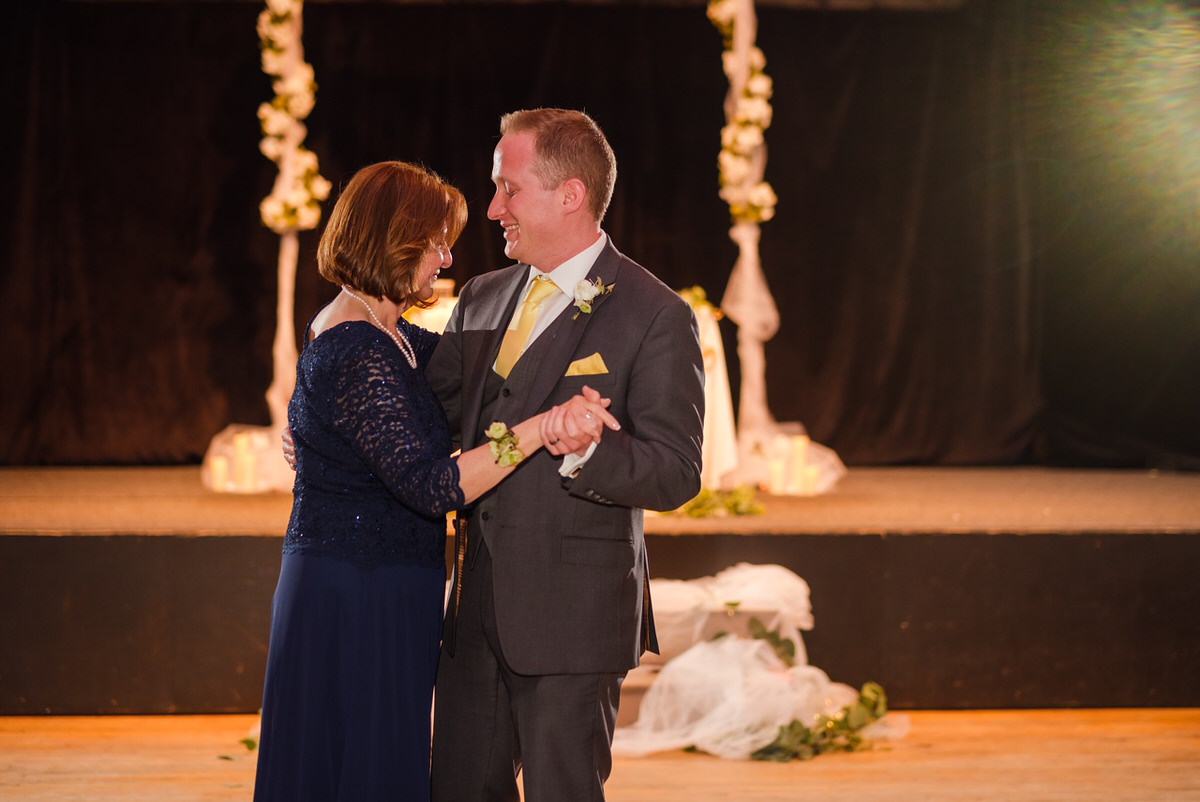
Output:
[[750, 199], [294, 202]]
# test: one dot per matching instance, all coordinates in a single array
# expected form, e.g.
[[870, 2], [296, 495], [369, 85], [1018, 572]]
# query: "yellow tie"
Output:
[[514, 339]]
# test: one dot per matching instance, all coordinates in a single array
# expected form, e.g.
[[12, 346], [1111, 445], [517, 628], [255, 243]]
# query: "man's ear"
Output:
[[574, 194]]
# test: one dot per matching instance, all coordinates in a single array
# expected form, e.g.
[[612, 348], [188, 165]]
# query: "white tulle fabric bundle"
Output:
[[730, 696]]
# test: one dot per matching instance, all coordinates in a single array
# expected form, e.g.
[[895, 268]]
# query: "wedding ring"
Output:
[[588, 415], [554, 442]]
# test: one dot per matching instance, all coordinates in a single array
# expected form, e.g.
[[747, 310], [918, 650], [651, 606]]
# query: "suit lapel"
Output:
[[555, 348], [483, 329]]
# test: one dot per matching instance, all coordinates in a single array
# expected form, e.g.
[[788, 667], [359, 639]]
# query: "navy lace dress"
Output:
[[357, 612]]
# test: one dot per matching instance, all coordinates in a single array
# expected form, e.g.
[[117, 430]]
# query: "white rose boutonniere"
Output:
[[586, 292]]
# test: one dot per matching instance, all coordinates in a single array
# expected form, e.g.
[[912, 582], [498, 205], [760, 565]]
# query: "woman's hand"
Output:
[[574, 425], [289, 447]]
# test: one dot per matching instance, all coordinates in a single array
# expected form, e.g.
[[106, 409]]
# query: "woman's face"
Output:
[[432, 264]]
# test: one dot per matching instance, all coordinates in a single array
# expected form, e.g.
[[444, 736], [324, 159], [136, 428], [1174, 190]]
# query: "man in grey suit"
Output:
[[550, 607]]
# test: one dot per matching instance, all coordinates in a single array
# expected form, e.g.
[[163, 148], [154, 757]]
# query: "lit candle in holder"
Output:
[[798, 463], [218, 472], [243, 462], [777, 483], [808, 485]]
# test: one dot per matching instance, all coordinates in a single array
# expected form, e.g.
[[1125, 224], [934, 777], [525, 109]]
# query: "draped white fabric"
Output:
[[729, 696]]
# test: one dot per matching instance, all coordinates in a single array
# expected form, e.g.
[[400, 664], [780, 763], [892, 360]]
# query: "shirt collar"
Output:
[[575, 269]]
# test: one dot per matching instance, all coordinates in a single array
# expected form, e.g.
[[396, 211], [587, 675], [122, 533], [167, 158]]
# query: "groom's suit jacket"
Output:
[[568, 556]]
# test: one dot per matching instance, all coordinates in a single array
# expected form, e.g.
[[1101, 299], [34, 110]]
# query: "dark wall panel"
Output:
[[158, 624]]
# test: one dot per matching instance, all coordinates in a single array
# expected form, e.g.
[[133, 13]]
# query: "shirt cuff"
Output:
[[573, 463]]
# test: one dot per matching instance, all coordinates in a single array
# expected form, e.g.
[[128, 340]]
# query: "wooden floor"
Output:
[[1142, 755]]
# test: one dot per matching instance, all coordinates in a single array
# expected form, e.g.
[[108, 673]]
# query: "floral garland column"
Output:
[[747, 300], [247, 458], [294, 202]]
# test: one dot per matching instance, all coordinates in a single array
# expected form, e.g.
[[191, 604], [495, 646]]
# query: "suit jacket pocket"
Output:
[[610, 552], [570, 385], [588, 366]]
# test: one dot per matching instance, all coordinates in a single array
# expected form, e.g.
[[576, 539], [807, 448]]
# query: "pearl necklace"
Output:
[[397, 336]]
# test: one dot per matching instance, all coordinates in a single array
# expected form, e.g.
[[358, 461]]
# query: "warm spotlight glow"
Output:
[[1128, 89]]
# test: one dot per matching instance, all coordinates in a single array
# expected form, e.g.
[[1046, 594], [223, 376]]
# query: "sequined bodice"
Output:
[[374, 478]]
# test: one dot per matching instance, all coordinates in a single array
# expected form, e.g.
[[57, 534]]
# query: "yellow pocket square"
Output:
[[588, 366]]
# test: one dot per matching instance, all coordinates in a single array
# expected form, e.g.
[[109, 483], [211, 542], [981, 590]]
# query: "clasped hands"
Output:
[[567, 428], [572, 426]]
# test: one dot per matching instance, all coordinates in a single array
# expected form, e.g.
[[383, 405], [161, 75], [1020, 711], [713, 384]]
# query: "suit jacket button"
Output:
[[506, 392], [485, 515]]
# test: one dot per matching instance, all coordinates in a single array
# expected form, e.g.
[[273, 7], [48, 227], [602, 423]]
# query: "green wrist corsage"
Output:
[[502, 442]]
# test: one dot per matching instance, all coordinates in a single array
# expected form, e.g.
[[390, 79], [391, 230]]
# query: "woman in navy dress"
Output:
[[357, 614]]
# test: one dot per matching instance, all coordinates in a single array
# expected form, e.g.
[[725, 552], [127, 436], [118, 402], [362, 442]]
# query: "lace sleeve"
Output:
[[389, 414]]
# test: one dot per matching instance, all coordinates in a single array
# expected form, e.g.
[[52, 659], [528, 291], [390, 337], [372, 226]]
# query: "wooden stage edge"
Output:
[[173, 501], [954, 588], [985, 756]]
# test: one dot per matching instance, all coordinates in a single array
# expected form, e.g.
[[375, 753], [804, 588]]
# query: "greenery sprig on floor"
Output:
[[840, 732]]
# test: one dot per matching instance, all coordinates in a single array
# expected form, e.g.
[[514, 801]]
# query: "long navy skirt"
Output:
[[349, 682]]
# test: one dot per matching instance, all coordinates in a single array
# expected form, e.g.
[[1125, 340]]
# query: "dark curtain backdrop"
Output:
[[963, 276]]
